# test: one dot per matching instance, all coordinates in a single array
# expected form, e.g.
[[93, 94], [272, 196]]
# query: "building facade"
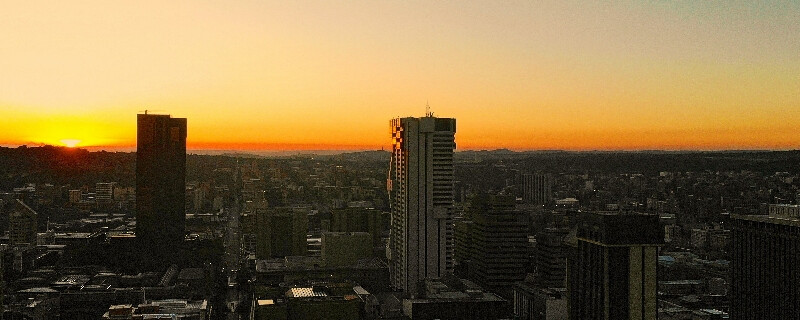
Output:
[[160, 185], [22, 224], [499, 244], [536, 303], [345, 248], [420, 186], [550, 258], [765, 266], [356, 219], [537, 188], [611, 269], [278, 232]]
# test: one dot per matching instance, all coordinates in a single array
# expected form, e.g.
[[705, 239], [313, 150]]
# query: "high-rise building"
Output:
[[420, 186], [500, 244], [22, 224], [537, 188], [765, 266], [611, 269], [160, 185]]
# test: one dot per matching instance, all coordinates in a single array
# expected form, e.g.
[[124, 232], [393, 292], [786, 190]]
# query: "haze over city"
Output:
[[308, 75]]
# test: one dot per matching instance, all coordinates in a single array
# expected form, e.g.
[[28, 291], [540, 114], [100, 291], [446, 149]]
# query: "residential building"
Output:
[[420, 186]]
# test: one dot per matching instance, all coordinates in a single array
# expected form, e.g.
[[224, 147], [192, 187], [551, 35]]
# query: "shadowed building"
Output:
[[611, 271], [280, 232], [22, 224], [537, 188], [358, 220], [160, 186], [550, 258], [420, 186], [345, 248], [499, 244], [765, 266]]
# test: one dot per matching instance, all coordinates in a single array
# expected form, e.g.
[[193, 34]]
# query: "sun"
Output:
[[70, 143]]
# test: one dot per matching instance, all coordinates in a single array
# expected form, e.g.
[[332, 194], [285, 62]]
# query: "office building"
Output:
[[453, 298], [611, 269], [537, 188], [420, 186], [550, 258], [104, 194], [278, 232], [22, 224], [355, 219], [536, 303], [345, 248], [500, 244], [765, 266], [160, 185], [462, 256]]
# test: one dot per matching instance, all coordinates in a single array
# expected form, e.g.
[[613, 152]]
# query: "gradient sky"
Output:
[[331, 74]]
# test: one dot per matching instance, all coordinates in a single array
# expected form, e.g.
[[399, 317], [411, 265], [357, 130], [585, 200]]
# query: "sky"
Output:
[[522, 75]]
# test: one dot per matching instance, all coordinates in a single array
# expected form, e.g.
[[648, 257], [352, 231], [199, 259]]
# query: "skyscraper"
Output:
[[765, 266], [611, 269], [420, 186], [160, 185], [499, 244]]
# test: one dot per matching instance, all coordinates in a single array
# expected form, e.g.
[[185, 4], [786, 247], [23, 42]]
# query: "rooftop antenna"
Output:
[[428, 112], [146, 111]]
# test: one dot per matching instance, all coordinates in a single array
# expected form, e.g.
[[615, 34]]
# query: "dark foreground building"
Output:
[[160, 187], [611, 269], [765, 270], [453, 298]]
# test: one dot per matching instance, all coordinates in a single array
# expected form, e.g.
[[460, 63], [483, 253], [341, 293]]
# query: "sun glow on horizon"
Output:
[[71, 143]]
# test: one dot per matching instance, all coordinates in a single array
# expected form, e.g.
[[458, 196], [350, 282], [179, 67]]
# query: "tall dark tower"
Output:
[[160, 186]]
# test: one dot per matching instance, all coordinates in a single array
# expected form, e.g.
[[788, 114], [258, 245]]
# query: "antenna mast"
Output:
[[428, 112]]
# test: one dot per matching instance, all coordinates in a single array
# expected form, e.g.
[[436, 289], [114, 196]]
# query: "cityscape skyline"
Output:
[[519, 75]]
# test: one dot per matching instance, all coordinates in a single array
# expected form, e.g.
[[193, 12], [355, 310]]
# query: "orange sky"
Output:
[[325, 75]]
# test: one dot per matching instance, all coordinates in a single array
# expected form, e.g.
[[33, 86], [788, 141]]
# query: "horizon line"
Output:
[[363, 149]]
